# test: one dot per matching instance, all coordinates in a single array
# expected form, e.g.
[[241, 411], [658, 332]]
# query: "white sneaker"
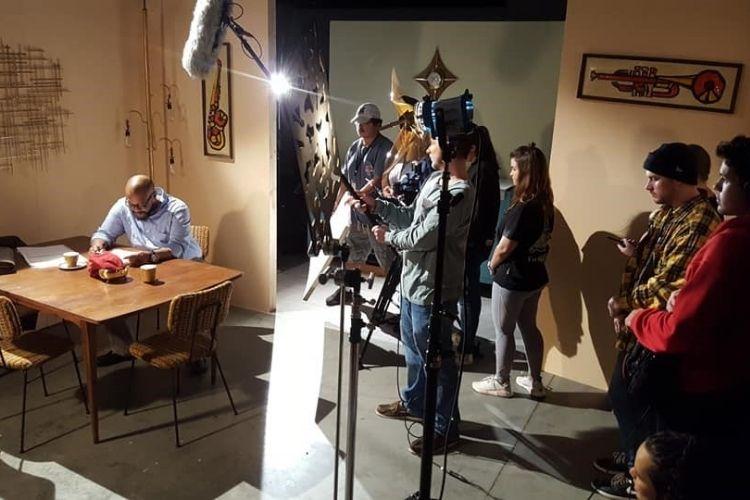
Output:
[[535, 388], [491, 386]]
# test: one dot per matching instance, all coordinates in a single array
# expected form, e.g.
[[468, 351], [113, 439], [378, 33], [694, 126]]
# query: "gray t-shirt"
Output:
[[364, 163]]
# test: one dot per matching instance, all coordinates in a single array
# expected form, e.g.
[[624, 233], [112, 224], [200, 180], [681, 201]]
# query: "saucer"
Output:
[[64, 267]]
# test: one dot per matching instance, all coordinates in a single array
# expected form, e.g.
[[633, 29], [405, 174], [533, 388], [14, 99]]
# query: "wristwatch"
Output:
[[154, 257]]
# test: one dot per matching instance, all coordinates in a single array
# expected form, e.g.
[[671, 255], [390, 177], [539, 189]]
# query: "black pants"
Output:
[[636, 418]]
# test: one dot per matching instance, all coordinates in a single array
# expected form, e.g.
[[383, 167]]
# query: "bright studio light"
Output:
[[279, 84]]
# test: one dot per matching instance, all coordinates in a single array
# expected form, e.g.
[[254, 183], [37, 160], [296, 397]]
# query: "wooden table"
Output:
[[86, 302]]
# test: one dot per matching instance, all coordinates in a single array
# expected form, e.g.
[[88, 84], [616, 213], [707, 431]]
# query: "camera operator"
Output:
[[413, 230]]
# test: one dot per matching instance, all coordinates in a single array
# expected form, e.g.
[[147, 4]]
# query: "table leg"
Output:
[[88, 339]]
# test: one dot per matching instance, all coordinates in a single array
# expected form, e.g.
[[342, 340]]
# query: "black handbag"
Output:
[[648, 375]]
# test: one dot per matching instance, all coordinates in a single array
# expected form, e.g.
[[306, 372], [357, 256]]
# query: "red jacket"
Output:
[[709, 328]]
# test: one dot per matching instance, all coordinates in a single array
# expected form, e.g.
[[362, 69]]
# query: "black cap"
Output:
[[674, 160]]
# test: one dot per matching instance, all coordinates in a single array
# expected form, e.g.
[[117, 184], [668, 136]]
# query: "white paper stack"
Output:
[[44, 257]]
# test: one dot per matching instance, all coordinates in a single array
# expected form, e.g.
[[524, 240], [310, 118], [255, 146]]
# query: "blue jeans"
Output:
[[470, 306], [415, 326]]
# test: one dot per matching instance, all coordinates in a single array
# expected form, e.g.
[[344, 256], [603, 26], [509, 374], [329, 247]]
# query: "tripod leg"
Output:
[[370, 328]]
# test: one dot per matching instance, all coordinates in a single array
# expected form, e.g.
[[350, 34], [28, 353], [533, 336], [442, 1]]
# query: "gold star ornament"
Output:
[[435, 78]]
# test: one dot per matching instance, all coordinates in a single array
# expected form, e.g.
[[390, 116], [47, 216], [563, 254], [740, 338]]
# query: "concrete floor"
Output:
[[282, 370]]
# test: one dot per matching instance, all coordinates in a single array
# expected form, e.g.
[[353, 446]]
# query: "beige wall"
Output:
[[99, 44], [598, 151], [510, 67], [100, 61], [236, 200]]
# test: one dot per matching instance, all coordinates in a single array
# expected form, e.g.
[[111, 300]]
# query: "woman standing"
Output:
[[519, 273]]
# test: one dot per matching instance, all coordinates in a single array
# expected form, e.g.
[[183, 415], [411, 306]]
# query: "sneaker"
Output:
[[534, 387], [491, 386], [335, 298], [396, 410], [618, 486], [440, 444], [613, 464], [112, 358]]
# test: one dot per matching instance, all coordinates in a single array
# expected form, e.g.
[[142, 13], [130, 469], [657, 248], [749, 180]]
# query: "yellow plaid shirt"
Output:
[[658, 267]]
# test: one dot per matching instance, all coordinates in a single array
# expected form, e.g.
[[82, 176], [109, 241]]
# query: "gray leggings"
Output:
[[511, 308]]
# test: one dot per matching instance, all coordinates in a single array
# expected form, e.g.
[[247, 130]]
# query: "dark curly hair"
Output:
[[674, 457]]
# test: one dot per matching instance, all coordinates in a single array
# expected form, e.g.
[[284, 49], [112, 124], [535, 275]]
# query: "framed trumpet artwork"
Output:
[[675, 83], [217, 108]]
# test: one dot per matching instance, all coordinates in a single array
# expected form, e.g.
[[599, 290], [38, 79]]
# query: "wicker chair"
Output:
[[201, 235], [191, 335], [24, 351]]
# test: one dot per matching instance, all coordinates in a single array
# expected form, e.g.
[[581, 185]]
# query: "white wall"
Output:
[[510, 67]]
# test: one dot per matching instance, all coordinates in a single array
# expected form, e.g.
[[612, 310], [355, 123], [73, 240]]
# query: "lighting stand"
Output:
[[433, 359], [348, 279]]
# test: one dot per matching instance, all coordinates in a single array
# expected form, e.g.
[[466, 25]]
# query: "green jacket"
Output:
[[413, 230]]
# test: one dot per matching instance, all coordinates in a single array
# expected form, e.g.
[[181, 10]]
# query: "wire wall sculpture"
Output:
[[32, 118]]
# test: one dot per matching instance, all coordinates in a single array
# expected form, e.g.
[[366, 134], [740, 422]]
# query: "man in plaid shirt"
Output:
[[655, 269]]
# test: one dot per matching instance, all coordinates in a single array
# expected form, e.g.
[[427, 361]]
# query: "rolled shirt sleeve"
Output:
[[113, 226], [179, 233]]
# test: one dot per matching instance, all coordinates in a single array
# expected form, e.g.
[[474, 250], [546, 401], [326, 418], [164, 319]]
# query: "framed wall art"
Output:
[[217, 108], [676, 83]]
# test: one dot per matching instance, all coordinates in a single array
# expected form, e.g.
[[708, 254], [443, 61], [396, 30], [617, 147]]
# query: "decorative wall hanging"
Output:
[[676, 83], [217, 108], [435, 78], [32, 118], [307, 112]]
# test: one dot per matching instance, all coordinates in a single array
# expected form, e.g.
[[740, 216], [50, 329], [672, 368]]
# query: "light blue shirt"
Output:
[[167, 227]]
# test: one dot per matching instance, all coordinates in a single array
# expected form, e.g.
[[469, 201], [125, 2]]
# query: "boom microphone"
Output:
[[207, 31]]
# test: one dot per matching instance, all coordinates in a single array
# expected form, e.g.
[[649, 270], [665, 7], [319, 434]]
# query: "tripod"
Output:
[[348, 279], [377, 317]]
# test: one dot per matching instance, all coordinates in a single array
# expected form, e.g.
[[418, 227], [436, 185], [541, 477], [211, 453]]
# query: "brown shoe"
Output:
[[440, 444], [396, 410]]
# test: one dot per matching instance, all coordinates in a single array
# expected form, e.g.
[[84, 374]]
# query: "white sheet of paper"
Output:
[[44, 257], [122, 253]]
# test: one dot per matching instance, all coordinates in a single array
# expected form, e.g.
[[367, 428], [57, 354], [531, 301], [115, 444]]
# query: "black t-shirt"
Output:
[[529, 225]]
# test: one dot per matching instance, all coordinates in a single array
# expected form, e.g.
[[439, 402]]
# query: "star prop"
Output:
[[435, 78]]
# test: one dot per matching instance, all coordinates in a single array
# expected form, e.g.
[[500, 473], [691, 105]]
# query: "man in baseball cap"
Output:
[[366, 112], [363, 167]]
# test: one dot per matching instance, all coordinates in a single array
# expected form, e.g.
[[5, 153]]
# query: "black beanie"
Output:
[[674, 160]]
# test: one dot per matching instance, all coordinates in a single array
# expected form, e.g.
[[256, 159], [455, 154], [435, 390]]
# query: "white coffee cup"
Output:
[[148, 273], [71, 259]]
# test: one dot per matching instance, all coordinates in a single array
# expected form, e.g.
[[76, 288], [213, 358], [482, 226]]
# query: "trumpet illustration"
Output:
[[643, 81]]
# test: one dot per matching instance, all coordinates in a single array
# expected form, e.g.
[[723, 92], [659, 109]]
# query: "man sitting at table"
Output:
[[154, 221]]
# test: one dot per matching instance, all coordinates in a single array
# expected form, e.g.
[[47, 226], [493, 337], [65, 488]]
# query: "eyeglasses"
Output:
[[142, 207]]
